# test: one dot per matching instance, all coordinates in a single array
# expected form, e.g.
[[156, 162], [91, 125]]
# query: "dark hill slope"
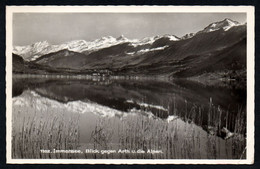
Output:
[[230, 58], [18, 64], [63, 59], [200, 43]]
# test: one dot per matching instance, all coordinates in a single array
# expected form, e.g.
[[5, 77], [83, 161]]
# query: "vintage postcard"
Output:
[[130, 84]]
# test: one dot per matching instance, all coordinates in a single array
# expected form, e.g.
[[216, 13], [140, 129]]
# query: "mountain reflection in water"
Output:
[[208, 109]]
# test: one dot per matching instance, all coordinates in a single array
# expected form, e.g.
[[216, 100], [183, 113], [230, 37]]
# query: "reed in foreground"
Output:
[[34, 131]]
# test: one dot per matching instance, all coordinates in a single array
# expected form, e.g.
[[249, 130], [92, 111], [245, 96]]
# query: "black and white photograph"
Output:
[[130, 84]]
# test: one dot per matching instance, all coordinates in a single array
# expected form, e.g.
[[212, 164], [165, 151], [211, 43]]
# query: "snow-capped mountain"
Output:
[[219, 44], [187, 36], [144, 41], [226, 24], [122, 38], [172, 37], [38, 49], [151, 40], [32, 52]]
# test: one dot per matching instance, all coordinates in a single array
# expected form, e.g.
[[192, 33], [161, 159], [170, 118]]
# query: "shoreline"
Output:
[[216, 81]]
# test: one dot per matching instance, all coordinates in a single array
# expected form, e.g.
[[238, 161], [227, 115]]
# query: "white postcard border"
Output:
[[249, 10]]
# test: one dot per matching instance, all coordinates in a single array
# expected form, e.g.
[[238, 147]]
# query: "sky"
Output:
[[57, 28]]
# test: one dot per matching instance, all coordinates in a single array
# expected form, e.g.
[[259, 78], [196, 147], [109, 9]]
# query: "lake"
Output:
[[127, 119]]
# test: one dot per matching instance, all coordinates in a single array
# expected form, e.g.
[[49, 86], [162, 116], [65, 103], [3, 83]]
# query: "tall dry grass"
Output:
[[186, 137], [34, 130], [181, 138]]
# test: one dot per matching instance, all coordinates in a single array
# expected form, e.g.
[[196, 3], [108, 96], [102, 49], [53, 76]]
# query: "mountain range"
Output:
[[217, 50]]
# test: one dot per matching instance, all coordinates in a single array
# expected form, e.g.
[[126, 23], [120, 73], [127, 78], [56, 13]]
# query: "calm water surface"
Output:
[[173, 119]]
